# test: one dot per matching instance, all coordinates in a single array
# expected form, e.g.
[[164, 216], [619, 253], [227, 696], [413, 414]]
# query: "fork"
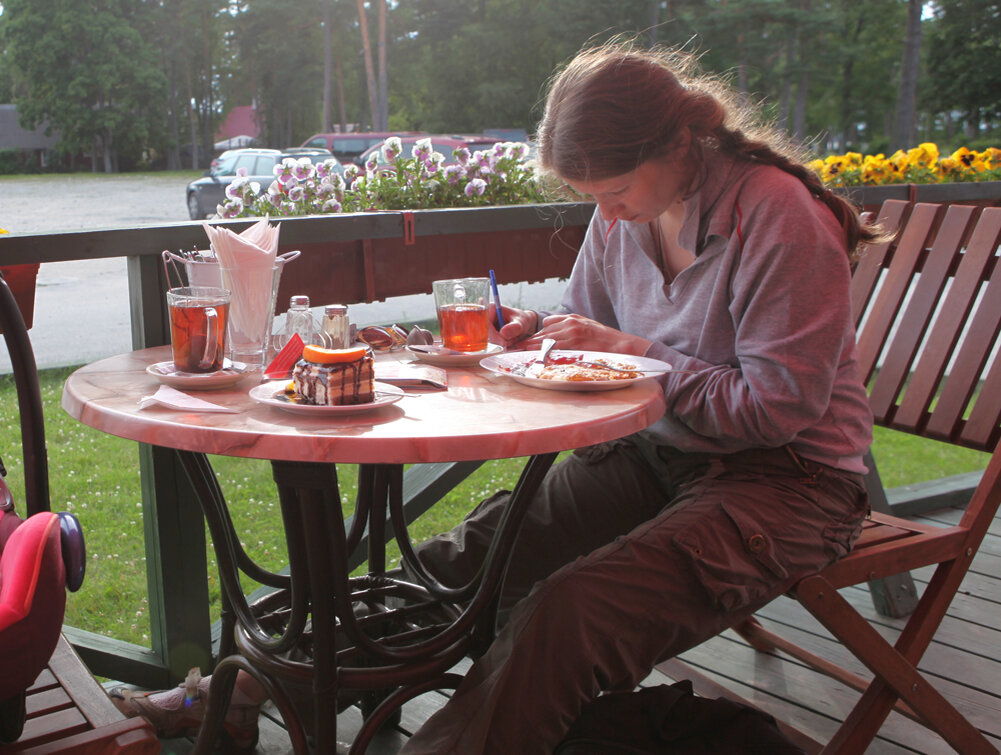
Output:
[[547, 346]]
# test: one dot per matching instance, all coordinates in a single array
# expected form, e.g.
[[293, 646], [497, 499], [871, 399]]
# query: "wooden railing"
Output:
[[347, 258]]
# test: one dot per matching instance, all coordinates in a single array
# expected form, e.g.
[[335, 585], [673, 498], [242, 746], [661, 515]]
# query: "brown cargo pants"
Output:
[[629, 554]]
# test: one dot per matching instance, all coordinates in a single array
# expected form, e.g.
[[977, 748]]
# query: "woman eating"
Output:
[[712, 248]]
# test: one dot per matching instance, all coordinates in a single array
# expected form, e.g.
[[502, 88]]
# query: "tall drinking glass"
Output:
[[252, 309], [462, 305], [198, 327]]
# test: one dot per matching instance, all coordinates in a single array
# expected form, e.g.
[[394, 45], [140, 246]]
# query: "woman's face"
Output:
[[641, 195]]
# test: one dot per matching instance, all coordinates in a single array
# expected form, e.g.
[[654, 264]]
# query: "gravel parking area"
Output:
[[76, 300], [39, 204]]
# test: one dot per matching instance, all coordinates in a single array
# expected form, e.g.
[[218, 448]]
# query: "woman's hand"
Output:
[[518, 325], [578, 332]]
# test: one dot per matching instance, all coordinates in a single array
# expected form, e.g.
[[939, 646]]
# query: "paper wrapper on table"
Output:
[[175, 399], [250, 269], [410, 375]]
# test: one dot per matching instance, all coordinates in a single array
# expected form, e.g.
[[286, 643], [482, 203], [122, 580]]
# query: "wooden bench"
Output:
[[69, 712], [928, 311], [66, 710]]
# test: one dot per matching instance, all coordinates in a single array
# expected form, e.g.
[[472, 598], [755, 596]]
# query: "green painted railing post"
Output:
[[180, 625]]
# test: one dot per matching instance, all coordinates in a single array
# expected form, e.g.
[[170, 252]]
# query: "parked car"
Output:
[[444, 143], [220, 157], [347, 147], [209, 191]]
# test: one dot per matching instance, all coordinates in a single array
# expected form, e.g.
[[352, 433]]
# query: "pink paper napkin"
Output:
[[257, 246], [174, 399], [247, 262], [281, 366]]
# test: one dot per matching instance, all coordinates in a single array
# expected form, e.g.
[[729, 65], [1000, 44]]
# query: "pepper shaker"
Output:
[[337, 326]]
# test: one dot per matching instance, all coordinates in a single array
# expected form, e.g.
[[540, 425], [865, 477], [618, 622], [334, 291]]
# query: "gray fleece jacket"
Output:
[[763, 315]]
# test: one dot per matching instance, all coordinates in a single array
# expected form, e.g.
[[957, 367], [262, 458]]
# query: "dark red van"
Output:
[[347, 147]]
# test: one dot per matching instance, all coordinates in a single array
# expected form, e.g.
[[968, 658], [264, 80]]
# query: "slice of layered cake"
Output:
[[333, 377]]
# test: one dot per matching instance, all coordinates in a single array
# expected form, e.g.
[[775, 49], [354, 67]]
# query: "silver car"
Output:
[[208, 192]]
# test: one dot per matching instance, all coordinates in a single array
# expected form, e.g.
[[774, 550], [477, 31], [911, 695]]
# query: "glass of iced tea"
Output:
[[462, 305], [198, 318]]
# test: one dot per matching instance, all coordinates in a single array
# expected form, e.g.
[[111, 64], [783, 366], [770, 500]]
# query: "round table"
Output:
[[480, 416]]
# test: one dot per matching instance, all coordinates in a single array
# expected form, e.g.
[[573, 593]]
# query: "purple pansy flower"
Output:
[[453, 173], [476, 187], [392, 149]]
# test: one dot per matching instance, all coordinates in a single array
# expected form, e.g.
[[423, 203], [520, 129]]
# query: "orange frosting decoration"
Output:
[[320, 355]]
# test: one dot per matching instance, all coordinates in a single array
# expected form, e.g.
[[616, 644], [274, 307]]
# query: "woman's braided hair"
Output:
[[616, 105]]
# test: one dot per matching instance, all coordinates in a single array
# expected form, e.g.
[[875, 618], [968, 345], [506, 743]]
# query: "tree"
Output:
[[86, 70], [447, 66], [187, 34], [373, 92], [907, 94], [383, 119], [964, 63], [282, 72], [470, 66], [338, 26], [328, 65]]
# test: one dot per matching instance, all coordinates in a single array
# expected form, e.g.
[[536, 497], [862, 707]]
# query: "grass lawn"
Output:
[[96, 476]]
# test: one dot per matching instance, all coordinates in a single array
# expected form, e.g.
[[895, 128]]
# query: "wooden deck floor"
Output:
[[965, 657]]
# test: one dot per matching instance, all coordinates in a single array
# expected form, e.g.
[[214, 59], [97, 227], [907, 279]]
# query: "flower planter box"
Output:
[[21, 280], [984, 193], [374, 256]]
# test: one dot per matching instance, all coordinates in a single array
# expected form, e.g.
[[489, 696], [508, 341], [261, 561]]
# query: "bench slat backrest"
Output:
[[928, 312]]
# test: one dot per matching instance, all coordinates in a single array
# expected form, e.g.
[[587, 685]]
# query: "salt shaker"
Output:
[[300, 320], [336, 326]]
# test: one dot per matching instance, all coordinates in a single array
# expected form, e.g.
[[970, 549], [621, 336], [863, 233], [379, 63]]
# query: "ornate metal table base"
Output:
[[322, 639]]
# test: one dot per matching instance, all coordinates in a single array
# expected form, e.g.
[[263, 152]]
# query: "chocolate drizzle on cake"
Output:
[[335, 384]]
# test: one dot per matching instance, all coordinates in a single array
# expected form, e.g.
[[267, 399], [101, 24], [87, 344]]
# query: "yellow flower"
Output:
[[898, 162], [923, 156], [951, 168], [921, 164], [876, 169], [992, 156], [834, 168], [971, 161]]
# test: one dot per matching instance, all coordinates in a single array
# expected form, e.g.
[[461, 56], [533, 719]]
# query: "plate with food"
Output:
[[281, 394], [439, 356], [573, 370], [329, 381], [230, 374]]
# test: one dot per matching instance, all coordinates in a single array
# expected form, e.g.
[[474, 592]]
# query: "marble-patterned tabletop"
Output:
[[482, 415]]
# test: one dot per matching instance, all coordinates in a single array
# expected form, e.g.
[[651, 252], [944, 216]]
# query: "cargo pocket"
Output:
[[847, 507], [598, 452], [732, 556], [841, 536]]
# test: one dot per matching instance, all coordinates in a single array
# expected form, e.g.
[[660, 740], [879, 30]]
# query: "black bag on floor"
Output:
[[672, 720]]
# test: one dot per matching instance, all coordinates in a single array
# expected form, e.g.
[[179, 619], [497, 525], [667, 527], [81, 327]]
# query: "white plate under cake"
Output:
[[274, 394]]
